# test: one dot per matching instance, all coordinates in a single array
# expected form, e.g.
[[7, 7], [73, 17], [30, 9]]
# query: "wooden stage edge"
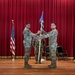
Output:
[[19, 57], [9, 67]]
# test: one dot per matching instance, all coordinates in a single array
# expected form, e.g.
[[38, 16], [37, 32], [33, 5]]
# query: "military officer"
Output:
[[27, 44], [36, 47], [52, 35]]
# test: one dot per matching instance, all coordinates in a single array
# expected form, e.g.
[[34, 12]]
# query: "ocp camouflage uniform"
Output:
[[52, 46], [36, 46], [27, 45]]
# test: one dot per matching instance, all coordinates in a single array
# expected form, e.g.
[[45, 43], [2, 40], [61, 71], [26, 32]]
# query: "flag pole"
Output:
[[13, 39], [13, 58], [39, 49], [41, 23], [39, 45]]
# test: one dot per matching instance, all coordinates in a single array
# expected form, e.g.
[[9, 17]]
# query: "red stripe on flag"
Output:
[[12, 46]]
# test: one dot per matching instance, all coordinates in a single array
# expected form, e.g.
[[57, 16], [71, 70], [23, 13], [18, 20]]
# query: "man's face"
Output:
[[53, 26], [28, 26]]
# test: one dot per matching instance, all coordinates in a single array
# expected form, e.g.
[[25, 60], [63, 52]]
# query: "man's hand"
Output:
[[39, 32]]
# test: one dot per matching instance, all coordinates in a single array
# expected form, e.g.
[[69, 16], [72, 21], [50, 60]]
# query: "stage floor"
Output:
[[9, 67]]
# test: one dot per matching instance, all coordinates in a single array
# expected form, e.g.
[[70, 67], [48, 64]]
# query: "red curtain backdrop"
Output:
[[60, 11], [74, 35]]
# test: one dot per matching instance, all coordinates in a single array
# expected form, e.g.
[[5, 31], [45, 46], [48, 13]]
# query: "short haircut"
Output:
[[28, 23], [54, 23]]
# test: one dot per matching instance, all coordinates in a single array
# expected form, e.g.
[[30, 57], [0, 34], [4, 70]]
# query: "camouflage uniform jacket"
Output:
[[36, 43], [52, 36], [27, 37]]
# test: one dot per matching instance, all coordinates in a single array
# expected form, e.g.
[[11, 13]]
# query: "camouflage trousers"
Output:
[[36, 53], [53, 54], [27, 54]]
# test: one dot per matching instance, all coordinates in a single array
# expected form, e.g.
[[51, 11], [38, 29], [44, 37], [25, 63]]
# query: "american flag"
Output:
[[12, 40], [42, 21]]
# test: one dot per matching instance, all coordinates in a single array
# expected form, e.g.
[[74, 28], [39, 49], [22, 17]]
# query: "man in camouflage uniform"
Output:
[[52, 44], [27, 44], [36, 46]]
